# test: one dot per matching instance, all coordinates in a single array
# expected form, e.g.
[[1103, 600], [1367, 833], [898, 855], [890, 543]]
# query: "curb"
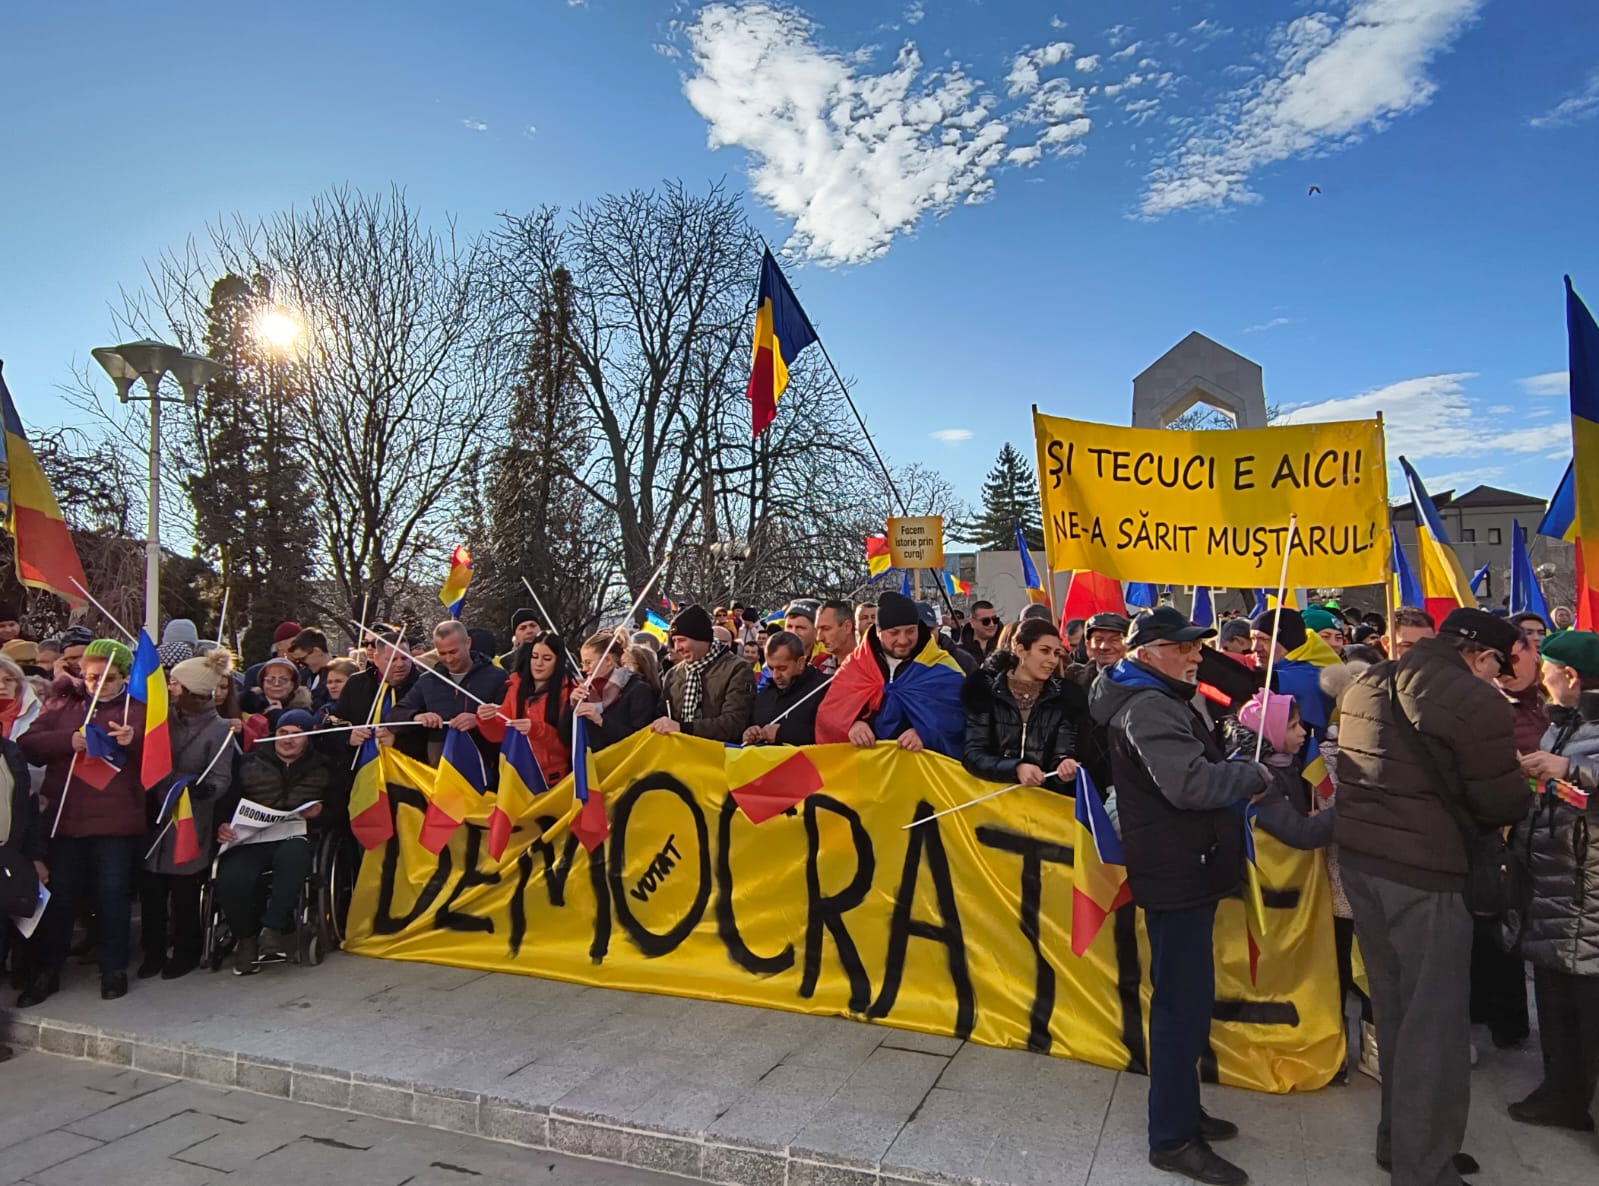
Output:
[[589, 1135]]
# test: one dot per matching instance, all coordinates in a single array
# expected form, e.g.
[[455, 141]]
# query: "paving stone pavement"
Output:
[[72, 1123], [710, 1090]]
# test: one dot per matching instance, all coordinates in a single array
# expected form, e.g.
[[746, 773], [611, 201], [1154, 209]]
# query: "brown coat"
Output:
[[118, 810], [1401, 799], [726, 708]]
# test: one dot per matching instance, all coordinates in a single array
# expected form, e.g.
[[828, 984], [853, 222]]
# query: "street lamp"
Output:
[[150, 361]]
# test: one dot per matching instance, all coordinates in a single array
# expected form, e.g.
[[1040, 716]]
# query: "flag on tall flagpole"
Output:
[[1099, 869], [1560, 522], [1443, 581], [46, 557], [1036, 593], [1583, 351], [878, 559], [1204, 607], [1526, 595], [1407, 589], [1143, 595], [370, 819], [454, 591], [954, 586], [520, 780], [905, 587], [781, 331], [1479, 580], [147, 683], [1092, 593]]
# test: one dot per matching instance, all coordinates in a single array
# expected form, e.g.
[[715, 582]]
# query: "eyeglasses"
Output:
[[985, 621], [1191, 647]]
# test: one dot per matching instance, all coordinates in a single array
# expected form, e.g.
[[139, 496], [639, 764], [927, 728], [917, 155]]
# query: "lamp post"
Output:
[[151, 361]]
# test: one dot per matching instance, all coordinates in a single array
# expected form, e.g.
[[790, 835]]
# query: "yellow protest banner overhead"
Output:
[[1212, 507], [830, 905], [916, 541]]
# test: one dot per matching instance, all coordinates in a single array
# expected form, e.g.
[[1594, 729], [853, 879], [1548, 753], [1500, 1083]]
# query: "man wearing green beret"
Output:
[[1327, 624]]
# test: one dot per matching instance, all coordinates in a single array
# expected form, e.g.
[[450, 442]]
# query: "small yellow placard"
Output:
[[917, 541]]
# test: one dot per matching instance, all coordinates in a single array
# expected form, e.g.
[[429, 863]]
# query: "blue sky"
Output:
[[988, 204]]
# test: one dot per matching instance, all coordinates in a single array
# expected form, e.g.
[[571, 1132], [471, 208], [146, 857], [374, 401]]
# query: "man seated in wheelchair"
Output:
[[283, 773]]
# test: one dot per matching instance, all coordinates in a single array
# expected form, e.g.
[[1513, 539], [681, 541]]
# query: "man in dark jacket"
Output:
[[385, 682], [792, 695], [978, 636], [1180, 805], [23, 831], [437, 703], [1425, 752], [710, 691], [1105, 642]]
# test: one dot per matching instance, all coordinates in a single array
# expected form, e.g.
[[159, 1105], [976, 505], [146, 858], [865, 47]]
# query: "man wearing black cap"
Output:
[[525, 627], [710, 691], [1105, 641], [10, 624], [1426, 762], [1180, 805]]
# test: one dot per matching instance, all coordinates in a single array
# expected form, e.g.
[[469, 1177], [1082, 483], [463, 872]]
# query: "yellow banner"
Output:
[[956, 927], [1212, 508]]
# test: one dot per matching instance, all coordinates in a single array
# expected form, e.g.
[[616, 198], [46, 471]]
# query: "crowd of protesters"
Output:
[[1441, 740]]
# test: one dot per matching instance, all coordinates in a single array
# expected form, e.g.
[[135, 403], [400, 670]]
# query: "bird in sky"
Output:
[[1315, 189]]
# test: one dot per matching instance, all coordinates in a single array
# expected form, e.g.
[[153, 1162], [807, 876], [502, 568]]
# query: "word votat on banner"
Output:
[[1212, 508], [829, 905]]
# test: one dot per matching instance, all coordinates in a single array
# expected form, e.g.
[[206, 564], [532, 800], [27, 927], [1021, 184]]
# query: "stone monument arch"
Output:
[[1199, 371]]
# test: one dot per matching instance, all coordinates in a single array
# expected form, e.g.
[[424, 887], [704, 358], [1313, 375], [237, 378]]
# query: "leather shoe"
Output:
[[177, 969], [1213, 1128], [41, 990], [153, 966], [1198, 1161], [1464, 1163], [113, 985], [1547, 1112]]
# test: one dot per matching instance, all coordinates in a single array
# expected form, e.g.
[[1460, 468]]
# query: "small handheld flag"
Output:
[[1204, 607], [655, 626], [1526, 595], [102, 760], [1142, 595], [781, 331], [1479, 580], [1407, 589], [1035, 587], [1254, 899], [1099, 870], [590, 826], [460, 770], [454, 591], [370, 820], [520, 781], [878, 559], [147, 683], [905, 585], [956, 587]]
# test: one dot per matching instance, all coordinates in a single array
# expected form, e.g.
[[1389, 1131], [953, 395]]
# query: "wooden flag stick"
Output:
[[94, 702], [433, 671], [102, 609], [963, 806], [222, 616]]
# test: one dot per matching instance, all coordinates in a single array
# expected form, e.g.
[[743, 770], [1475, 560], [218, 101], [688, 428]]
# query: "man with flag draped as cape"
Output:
[[1180, 804], [898, 685]]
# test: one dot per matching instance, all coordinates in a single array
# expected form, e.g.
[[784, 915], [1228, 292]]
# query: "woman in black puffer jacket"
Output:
[[1022, 719]]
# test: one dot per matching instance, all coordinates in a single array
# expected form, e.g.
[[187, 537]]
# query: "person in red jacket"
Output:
[[99, 821], [535, 697]]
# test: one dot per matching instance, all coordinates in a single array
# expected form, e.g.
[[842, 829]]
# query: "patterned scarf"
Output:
[[694, 683]]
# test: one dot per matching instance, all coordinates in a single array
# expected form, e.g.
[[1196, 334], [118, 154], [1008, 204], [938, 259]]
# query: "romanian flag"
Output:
[[781, 331], [1035, 587], [1316, 774], [46, 558], [1254, 900], [1479, 580], [668, 604], [460, 770], [655, 626], [878, 559], [1204, 607], [956, 587], [1092, 593], [454, 591], [1560, 522], [1583, 351], [1262, 603], [1444, 585], [924, 695], [1526, 595], [1099, 870], [1298, 674], [1407, 589], [178, 810], [590, 826], [147, 683], [102, 758], [1143, 595], [520, 780], [370, 820]]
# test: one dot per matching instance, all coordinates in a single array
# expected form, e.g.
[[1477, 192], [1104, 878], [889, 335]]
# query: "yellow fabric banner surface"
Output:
[[956, 927], [1212, 508]]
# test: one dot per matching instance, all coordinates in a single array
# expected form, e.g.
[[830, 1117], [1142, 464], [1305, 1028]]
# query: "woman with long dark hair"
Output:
[[1022, 718], [536, 698]]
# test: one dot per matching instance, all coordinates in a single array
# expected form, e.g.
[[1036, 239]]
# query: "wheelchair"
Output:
[[321, 910]]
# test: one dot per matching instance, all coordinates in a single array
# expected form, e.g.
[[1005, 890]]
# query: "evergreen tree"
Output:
[[252, 501], [1010, 496]]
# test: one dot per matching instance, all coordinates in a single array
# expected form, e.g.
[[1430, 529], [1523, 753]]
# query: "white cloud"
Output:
[[667, 50], [1500, 410], [532, 131], [1141, 111], [1432, 416], [1574, 108], [1025, 71], [1056, 23], [915, 12], [1027, 154], [1335, 80], [1548, 383], [1265, 325], [1132, 80], [474, 125], [1455, 479], [1087, 64], [1117, 34], [854, 158], [951, 436], [1126, 51]]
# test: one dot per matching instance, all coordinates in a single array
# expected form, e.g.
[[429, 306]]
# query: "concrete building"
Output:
[[1199, 371], [1479, 523]]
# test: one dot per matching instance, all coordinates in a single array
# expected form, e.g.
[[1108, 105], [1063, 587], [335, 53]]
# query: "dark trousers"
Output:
[[1344, 940], [177, 929], [1182, 973], [242, 868], [1568, 1028], [81, 866], [1417, 948], [1498, 985]]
